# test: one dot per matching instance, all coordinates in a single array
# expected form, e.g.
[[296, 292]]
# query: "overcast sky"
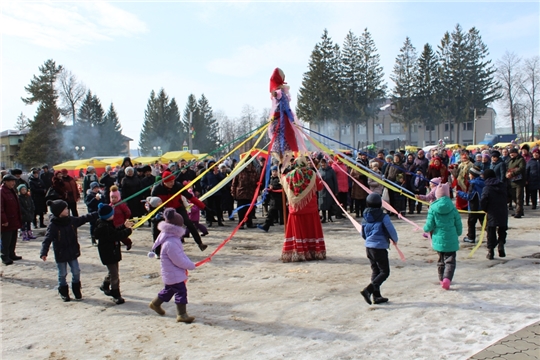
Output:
[[124, 50]]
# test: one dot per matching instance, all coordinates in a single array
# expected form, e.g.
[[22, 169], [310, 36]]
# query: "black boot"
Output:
[[76, 287], [377, 297], [367, 292], [6, 260], [64, 292], [117, 297], [202, 246], [181, 314], [106, 288], [502, 253], [94, 243], [490, 255]]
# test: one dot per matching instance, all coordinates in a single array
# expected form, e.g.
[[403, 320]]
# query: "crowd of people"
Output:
[[303, 194]]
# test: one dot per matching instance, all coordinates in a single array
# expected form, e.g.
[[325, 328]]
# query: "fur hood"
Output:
[[168, 231]]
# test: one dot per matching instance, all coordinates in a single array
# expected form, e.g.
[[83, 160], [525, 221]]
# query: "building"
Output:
[[387, 133], [10, 143]]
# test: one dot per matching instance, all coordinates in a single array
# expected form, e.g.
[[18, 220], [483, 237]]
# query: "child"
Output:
[[444, 223], [109, 237], [121, 213], [418, 187], [194, 215], [92, 200], [174, 266], [377, 230], [153, 202], [27, 212], [62, 233], [476, 185], [493, 202], [275, 202]]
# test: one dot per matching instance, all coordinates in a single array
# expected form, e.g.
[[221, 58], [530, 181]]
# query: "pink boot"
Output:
[[446, 283], [24, 234]]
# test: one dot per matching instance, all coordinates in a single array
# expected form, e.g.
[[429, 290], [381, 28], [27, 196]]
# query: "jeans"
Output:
[[62, 272]]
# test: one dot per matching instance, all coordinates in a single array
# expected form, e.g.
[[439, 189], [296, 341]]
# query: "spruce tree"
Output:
[[350, 80], [372, 88], [43, 143], [190, 129], [319, 94], [428, 90], [445, 95], [404, 92], [111, 140], [207, 140]]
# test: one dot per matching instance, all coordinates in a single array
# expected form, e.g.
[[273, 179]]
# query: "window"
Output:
[[361, 129], [378, 129], [468, 126], [430, 128], [415, 128], [395, 128], [447, 127]]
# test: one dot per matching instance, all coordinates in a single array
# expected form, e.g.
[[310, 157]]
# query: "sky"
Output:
[[227, 51]]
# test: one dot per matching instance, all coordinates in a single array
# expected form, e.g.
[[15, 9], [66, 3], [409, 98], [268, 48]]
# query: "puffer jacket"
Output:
[[38, 191], [444, 223], [109, 238], [62, 233], [500, 170], [27, 207], [392, 171], [377, 229], [476, 186], [493, 202], [174, 262]]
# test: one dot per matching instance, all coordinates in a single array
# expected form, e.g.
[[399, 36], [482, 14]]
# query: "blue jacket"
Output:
[[475, 192], [444, 223], [377, 229]]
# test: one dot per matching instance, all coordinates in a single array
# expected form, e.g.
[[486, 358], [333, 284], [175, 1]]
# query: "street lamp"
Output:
[[158, 149], [80, 150]]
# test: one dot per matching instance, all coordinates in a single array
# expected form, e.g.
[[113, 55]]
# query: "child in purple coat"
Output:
[[174, 266]]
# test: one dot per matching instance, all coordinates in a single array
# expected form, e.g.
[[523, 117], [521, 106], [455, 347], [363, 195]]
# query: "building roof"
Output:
[[6, 133]]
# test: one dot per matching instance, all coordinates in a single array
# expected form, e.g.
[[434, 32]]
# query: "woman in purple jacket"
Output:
[[174, 266]]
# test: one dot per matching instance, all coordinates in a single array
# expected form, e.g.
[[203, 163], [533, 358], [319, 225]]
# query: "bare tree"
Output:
[[71, 92], [247, 122], [227, 130], [22, 122], [531, 82], [510, 78]]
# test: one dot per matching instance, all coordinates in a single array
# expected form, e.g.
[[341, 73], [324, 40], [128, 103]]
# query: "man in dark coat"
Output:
[[498, 166], [10, 218], [420, 163], [533, 177], [46, 176], [516, 176], [325, 198], [38, 191], [208, 182], [186, 174], [243, 189], [493, 202], [107, 180]]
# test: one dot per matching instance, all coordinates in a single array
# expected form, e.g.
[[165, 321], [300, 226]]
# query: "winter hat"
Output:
[[167, 176], [90, 168], [154, 201], [514, 151], [20, 187], [16, 172], [442, 190], [536, 150], [485, 156], [526, 147], [93, 185], [64, 171], [146, 168], [475, 171], [436, 180], [9, 177], [488, 174], [374, 200], [273, 168], [172, 217], [105, 211], [388, 157], [496, 154], [114, 192], [57, 206]]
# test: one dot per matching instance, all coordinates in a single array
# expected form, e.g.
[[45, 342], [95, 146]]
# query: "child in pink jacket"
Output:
[[174, 266]]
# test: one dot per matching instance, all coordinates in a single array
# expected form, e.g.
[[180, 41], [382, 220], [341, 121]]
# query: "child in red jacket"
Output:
[[121, 212]]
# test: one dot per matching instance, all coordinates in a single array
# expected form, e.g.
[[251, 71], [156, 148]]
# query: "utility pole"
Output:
[[190, 137], [474, 128]]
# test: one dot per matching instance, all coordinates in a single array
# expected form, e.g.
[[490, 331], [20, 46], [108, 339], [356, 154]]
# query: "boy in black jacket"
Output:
[[493, 202], [109, 238], [92, 200], [62, 233]]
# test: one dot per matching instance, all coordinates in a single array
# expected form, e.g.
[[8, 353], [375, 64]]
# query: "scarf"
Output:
[[298, 186]]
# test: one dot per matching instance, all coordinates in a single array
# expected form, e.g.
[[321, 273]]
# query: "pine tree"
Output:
[[43, 143], [372, 88], [318, 97], [161, 126], [97, 112], [350, 80], [445, 96], [404, 92], [207, 139], [428, 90], [111, 140], [189, 123], [22, 123]]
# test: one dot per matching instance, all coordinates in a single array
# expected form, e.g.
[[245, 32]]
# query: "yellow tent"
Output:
[[72, 164], [113, 161], [411, 148], [177, 155], [92, 162], [453, 146], [201, 156], [502, 145], [531, 144], [474, 147], [146, 160]]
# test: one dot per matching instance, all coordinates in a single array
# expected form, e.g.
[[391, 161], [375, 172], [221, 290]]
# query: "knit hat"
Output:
[[172, 217], [273, 168], [64, 171], [374, 200], [436, 180], [442, 190], [514, 151], [57, 206], [475, 171], [9, 177], [488, 174], [20, 187], [485, 156], [536, 150], [114, 192], [90, 168], [105, 211], [154, 201], [93, 185], [16, 172], [167, 176], [496, 154]]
